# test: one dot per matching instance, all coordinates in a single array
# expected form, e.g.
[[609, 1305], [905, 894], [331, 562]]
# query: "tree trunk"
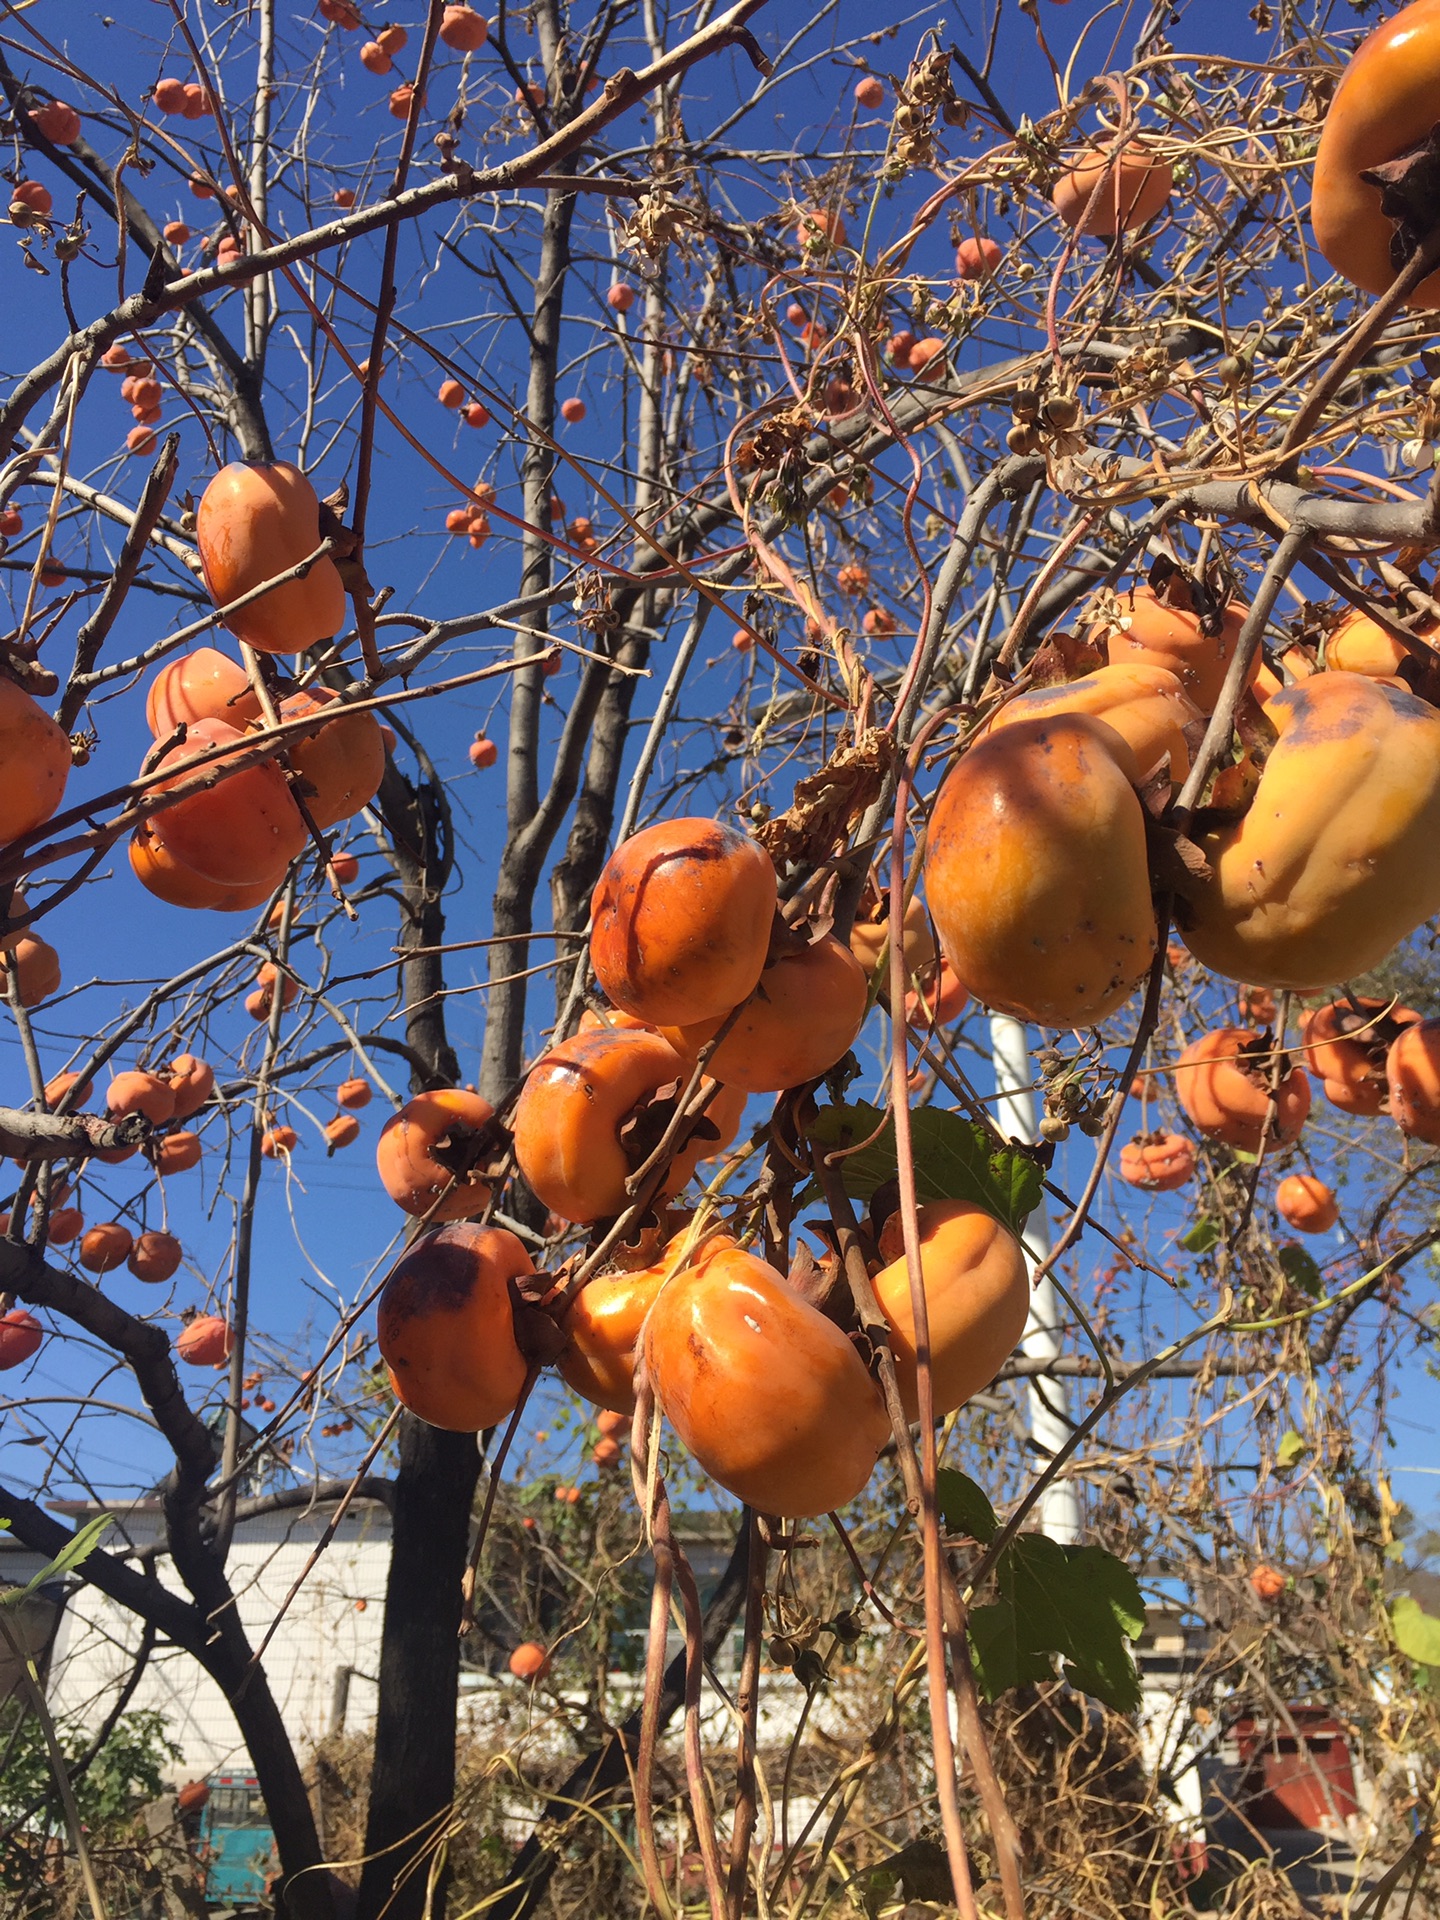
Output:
[[412, 1781]]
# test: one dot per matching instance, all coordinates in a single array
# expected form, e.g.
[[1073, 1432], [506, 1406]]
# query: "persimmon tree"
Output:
[[711, 488]]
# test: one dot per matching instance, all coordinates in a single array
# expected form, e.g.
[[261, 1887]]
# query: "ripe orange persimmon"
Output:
[[446, 1327], [768, 1395], [927, 358], [354, 1094], [1383, 106], [1221, 1080], [62, 1083], [977, 1294], [571, 1112], [276, 1141], [105, 1247], [177, 1152], [530, 1662], [423, 1150], [177, 885], [572, 410], [605, 1453], [342, 763], [1347, 1047], [342, 1131], [1164, 630], [20, 1338], [802, 1017], [1307, 1203], [192, 1082], [483, 753], [346, 868], [237, 832], [155, 1257], [1361, 645], [1037, 874], [1133, 189], [34, 762], [203, 685], [401, 101], [977, 256], [65, 1224], [818, 230], [169, 95], [254, 522], [57, 122], [870, 937], [612, 1425], [451, 394], [1158, 1162], [603, 1325], [138, 1092], [870, 92], [36, 966], [265, 987], [681, 920], [938, 1000], [29, 199], [620, 298], [1145, 704], [1338, 857], [462, 28], [206, 1341], [1267, 1584], [374, 58], [1413, 1073]]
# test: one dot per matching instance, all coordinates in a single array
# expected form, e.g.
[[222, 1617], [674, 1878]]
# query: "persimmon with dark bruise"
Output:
[[801, 1019], [681, 920], [1037, 875], [254, 522], [447, 1329], [1383, 106], [1145, 704], [574, 1104], [1338, 857], [977, 1295], [768, 1395], [1221, 1080]]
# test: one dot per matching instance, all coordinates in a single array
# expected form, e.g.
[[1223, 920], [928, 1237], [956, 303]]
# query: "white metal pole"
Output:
[[1048, 1402]]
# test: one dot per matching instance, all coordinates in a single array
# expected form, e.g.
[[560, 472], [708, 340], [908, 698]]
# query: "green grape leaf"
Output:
[[964, 1506], [73, 1554], [1417, 1633], [1300, 1269], [1078, 1602], [1202, 1236], [954, 1159]]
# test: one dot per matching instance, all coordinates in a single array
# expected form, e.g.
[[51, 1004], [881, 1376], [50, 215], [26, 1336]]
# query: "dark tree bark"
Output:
[[412, 1782]]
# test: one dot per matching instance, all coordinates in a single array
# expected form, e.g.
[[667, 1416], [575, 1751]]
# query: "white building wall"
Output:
[[332, 1624]]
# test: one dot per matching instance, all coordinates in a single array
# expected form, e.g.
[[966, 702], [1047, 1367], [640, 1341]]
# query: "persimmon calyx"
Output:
[[1409, 196], [1177, 865]]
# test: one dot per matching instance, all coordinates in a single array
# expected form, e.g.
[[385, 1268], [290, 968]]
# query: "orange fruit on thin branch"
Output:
[[446, 1327], [255, 522], [426, 1154], [1158, 1162], [1166, 629], [34, 762], [1133, 189], [203, 685], [768, 1395], [234, 830], [977, 1294], [1037, 874], [1307, 1203], [1222, 1082], [802, 1018], [205, 1342], [1338, 858], [1146, 704], [1413, 1076], [1383, 107], [681, 921]]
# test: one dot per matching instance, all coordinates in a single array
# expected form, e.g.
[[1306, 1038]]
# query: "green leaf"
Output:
[[964, 1506], [1417, 1633], [954, 1159], [1202, 1236], [1300, 1269], [70, 1556], [1293, 1446], [1079, 1602]]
